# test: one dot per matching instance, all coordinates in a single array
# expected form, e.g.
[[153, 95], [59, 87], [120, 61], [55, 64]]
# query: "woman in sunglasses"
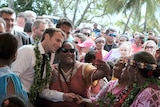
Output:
[[71, 76]]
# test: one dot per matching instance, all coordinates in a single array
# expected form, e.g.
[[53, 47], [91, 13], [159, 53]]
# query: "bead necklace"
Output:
[[67, 82], [122, 96]]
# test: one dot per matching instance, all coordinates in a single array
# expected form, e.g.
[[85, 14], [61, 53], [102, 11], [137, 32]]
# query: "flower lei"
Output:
[[39, 84], [110, 100]]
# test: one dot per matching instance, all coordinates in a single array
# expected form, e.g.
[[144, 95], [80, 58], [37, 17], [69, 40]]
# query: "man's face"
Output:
[[39, 31], [54, 42], [66, 29], [86, 32], [109, 37], [21, 21], [10, 21]]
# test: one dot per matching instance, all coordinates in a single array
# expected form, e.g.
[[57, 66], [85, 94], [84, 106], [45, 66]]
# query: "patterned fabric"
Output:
[[150, 97], [80, 83], [5, 75], [107, 88]]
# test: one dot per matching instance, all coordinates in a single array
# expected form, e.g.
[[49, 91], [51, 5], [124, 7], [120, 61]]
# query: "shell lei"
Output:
[[39, 84]]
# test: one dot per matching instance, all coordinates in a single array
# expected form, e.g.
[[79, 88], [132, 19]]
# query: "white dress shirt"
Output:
[[23, 66]]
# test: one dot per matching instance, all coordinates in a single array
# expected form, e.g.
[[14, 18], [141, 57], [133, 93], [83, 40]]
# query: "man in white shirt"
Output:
[[27, 60]]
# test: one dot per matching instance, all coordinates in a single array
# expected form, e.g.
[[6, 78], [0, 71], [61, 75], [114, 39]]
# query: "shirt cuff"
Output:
[[52, 95]]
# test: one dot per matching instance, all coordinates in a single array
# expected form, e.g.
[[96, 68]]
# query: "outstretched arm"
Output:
[[103, 70]]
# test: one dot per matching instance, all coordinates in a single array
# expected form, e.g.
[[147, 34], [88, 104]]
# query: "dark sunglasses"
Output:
[[151, 47], [112, 35], [68, 50], [87, 34], [76, 42]]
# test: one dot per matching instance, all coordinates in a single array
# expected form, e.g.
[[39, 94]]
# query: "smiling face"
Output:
[[150, 48], [10, 21], [67, 54], [52, 44], [66, 29]]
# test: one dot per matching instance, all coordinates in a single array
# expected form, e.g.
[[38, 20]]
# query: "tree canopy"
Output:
[[137, 15]]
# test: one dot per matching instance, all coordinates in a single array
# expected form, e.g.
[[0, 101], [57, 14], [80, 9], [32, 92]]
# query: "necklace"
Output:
[[122, 96], [67, 82], [39, 83], [126, 98]]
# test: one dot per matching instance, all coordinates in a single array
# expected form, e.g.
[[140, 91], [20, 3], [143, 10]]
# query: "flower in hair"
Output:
[[150, 73], [142, 65]]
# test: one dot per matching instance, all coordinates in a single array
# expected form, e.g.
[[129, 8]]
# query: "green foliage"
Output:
[[41, 7], [80, 11]]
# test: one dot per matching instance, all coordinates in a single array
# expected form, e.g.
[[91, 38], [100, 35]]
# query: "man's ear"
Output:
[[46, 36]]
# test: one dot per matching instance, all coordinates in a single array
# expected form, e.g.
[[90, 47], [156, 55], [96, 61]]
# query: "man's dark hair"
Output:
[[64, 21], [108, 30], [51, 31], [6, 10]]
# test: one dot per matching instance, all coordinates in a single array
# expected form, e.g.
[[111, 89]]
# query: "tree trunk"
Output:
[[11, 4], [75, 11], [126, 25]]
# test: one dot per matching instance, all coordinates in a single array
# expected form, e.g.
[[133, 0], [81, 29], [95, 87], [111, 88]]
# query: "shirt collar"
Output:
[[41, 49]]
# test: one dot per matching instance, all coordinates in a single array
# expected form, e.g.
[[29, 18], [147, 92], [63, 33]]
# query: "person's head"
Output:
[[67, 53], [8, 48], [13, 101], [138, 38], [142, 64], [2, 25], [78, 38], [90, 57], [38, 27], [154, 38], [9, 16], [95, 25], [150, 46], [87, 45], [87, 31], [52, 39], [125, 49], [118, 66], [30, 15], [65, 24], [122, 39], [100, 42], [110, 35], [21, 19]]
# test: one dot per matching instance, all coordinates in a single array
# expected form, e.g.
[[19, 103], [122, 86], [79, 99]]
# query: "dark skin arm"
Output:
[[103, 70]]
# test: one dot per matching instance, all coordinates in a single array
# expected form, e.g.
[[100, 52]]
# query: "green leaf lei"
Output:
[[109, 100], [39, 84], [136, 88]]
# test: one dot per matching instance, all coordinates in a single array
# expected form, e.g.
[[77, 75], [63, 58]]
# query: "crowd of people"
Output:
[[47, 65]]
